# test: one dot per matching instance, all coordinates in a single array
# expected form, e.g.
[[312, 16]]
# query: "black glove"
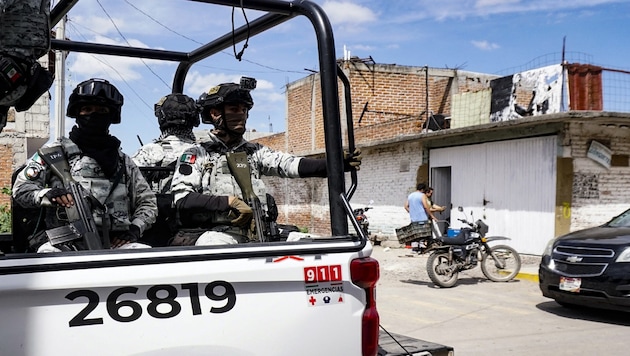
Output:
[[55, 193], [245, 213], [352, 160], [132, 235]]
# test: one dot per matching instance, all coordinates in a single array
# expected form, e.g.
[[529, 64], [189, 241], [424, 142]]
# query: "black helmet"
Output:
[[95, 92], [226, 93], [177, 110]]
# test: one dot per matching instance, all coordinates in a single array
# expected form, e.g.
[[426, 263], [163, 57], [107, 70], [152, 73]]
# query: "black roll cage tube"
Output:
[[277, 12]]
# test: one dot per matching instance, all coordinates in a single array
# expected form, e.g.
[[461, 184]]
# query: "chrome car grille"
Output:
[[584, 251], [574, 261]]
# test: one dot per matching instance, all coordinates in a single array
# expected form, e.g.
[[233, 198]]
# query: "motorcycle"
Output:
[[359, 215], [470, 247]]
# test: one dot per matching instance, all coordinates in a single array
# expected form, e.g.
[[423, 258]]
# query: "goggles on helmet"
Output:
[[95, 92], [99, 88]]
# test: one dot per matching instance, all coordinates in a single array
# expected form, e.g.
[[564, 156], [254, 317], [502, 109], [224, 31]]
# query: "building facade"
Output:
[[529, 170]]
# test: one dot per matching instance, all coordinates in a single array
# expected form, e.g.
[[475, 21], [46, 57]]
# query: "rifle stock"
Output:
[[239, 167], [80, 214]]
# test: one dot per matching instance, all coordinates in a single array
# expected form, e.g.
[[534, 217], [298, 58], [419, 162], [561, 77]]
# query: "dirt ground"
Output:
[[402, 263]]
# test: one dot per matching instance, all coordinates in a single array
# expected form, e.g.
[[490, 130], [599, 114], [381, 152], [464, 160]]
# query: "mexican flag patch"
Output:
[[188, 158]]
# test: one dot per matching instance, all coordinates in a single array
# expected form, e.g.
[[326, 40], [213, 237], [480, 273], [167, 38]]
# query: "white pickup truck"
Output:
[[308, 297]]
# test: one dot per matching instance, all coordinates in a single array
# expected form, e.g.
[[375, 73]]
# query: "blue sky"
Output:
[[486, 36]]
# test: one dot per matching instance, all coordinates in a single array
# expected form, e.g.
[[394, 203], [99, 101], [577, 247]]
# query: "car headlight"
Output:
[[624, 256], [549, 248]]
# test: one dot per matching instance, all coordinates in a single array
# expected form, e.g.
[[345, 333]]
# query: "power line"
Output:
[[102, 60], [129, 44], [201, 43]]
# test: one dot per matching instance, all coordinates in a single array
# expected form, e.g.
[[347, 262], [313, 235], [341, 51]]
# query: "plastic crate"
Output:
[[414, 231]]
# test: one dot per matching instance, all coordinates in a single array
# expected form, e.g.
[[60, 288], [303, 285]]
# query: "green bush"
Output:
[[5, 213]]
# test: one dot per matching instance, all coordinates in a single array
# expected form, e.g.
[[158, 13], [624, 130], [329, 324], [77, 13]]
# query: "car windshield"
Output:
[[622, 220]]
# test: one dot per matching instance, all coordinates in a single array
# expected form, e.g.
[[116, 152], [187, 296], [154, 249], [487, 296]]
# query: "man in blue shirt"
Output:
[[417, 205]]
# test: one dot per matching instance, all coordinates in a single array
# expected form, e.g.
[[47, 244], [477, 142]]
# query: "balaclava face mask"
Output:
[[95, 123], [235, 123], [92, 136], [230, 127]]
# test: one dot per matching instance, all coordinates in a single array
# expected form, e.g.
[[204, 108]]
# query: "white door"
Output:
[[509, 184]]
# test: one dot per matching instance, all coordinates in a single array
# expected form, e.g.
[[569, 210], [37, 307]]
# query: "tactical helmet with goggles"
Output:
[[226, 93], [96, 92], [177, 110]]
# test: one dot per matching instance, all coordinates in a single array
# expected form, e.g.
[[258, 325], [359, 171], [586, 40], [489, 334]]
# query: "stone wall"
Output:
[[599, 193]]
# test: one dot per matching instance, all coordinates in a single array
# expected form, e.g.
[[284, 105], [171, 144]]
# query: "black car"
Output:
[[589, 267]]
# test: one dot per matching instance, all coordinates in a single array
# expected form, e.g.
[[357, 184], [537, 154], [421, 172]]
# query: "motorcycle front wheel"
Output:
[[442, 272], [501, 264]]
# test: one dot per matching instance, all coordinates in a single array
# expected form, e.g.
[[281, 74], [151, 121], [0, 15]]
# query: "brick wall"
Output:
[[5, 172], [276, 141]]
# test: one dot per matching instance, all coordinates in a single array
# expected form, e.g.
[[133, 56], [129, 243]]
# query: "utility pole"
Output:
[[60, 86]]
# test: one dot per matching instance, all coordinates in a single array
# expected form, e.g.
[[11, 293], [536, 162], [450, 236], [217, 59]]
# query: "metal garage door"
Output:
[[510, 184]]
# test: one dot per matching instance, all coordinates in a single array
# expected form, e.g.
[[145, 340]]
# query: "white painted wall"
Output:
[[517, 179]]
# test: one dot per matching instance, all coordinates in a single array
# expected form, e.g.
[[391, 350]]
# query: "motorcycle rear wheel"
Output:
[[505, 267], [442, 272]]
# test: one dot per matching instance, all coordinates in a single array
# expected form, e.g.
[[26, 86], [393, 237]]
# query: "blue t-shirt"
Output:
[[416, 209]]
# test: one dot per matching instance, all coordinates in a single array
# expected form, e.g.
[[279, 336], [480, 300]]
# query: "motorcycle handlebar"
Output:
[[465, 222]]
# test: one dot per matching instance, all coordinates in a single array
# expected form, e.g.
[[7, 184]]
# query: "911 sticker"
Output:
[[164, 302], [324, 285]]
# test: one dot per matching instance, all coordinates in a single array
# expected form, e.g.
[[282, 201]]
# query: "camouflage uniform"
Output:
[[176, 114], [162, 153], [130, 202], [203, 169], [24, 38], [24, 28]]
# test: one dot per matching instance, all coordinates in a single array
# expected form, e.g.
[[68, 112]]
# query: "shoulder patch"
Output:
[[185, 169], [188, 158], [32, 171], [38, 159]]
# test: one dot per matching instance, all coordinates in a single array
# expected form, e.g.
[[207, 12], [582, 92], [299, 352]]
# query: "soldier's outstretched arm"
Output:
[[276, 163]]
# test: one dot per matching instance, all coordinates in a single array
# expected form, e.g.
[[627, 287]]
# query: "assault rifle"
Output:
[[81, 223], [239, 167]]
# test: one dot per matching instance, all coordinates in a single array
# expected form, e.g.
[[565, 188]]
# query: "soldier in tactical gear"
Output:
[[24, 38], [177, 115], [127, 204], [203, 181]]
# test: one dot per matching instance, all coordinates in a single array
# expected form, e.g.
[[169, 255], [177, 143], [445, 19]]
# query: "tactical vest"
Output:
[[218, 180], [87, 172]]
